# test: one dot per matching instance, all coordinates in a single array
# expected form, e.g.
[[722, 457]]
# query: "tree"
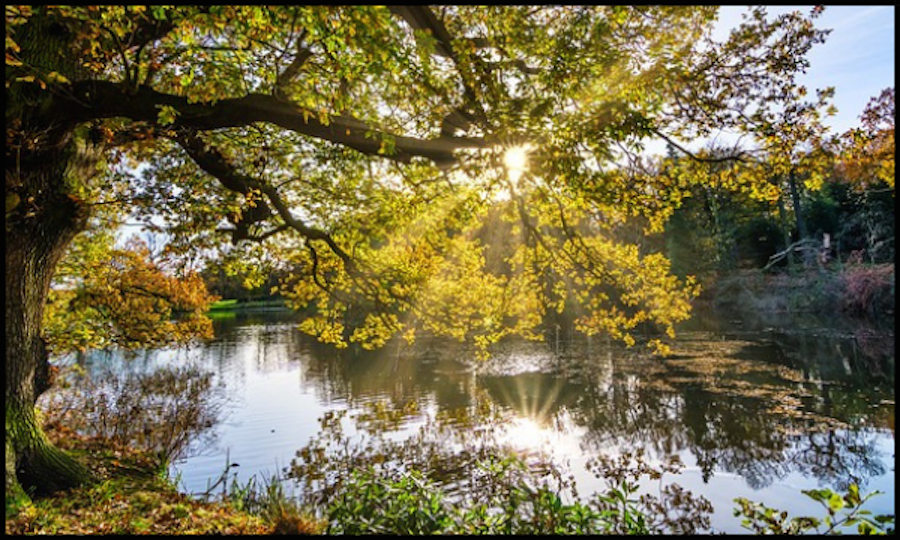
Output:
[[866, 164], [363, 147], [122, 298], [868, 151]]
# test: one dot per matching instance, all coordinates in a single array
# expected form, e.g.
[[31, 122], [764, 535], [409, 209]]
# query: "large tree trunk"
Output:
[[45, 161], [38, 230]]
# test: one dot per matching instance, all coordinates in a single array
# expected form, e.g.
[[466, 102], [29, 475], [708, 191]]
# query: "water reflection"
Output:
[[758, 400]]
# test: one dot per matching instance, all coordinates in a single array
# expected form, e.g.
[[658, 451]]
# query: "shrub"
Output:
[[158, 413], [869, 289], [841, 511]]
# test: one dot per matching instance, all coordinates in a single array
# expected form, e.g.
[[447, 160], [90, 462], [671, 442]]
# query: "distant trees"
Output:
[[842, 187], [257, 284]]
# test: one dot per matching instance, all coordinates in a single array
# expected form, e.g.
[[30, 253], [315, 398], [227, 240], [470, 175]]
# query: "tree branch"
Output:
[[738, 156], [287, 75], [423, 18], [102, 99], [213, 162]]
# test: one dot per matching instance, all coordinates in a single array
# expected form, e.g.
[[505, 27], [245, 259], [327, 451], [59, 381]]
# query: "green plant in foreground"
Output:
[[379, 501], [843, 511], [372, 503]]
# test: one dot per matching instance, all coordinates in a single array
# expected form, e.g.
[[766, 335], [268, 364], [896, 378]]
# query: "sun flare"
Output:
[[516, 160]]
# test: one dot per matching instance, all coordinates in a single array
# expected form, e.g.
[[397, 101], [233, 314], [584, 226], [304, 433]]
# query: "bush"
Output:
[[869, 289], [158, 413], [411, 504]]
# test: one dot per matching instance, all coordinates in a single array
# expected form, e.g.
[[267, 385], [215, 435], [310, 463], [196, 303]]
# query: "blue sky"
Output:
[[857, 59]]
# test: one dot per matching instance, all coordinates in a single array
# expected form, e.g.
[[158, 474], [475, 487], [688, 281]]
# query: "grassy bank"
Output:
[[131, 496], [859, 290], [234, 304]]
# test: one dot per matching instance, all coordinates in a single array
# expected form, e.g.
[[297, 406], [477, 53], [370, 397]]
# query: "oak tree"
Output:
[[363, 148]]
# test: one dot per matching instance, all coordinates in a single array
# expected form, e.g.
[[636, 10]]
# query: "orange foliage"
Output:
[[127, 300], [869, 151]]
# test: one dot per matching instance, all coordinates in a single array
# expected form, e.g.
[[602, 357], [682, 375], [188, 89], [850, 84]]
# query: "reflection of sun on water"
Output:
[[526, 434]]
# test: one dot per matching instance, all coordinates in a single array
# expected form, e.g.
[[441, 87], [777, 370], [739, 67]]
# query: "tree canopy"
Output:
[[362, 147]]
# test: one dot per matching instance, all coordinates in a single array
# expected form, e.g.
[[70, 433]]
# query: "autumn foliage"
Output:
[[126, 299], [362, 149], [869, 151]]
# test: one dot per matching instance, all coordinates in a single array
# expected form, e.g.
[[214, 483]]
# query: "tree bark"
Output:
[[785, 232], [798, 217], [44, 160], [38, 230]]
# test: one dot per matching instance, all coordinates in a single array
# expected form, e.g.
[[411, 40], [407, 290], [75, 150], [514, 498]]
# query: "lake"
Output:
[[754, 407]]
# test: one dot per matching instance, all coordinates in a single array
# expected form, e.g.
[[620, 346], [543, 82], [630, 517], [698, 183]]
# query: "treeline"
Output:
[[241, 286], [718, 230], [816, 201]]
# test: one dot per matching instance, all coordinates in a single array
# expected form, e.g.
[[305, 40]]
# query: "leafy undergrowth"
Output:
[[132, 496], [855, 290]]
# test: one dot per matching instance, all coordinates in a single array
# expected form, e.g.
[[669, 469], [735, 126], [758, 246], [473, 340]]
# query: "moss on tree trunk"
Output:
[[38, 465]]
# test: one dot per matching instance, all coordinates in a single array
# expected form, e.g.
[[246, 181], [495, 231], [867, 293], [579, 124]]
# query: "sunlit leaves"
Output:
[[385, 243], [843, 512], [123, 298], [868, 151]]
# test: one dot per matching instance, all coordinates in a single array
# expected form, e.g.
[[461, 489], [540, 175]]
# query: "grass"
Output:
[[857, 290], [232, 304], [223, 304], [132, 496]]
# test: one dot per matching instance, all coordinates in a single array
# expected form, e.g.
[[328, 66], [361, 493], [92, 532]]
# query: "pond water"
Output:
[[754, 408]]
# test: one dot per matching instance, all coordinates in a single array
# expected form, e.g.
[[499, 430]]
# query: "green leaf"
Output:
[[818, 494], [167, 115], [836, 502], [159, 13]]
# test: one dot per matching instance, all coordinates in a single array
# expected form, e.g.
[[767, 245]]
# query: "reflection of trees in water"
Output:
[[397, 371], [747, 429], [732, 427], [722, 433], [838, 457], [250, 346], [863, 360], [452, 448], [734, 435], [760, 409]]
